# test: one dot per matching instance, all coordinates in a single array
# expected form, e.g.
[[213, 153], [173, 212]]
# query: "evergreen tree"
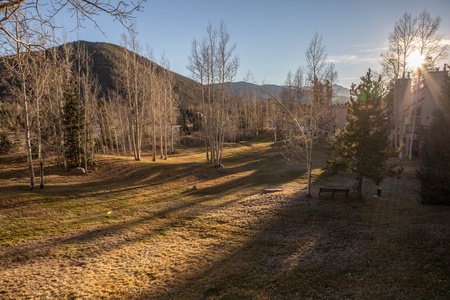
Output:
[[362, 147], [434, 172], [73, 126]]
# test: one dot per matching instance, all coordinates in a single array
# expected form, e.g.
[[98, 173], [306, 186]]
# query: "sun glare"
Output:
[[415, 60]]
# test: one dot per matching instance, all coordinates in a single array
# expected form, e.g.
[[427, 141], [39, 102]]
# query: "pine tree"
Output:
[[434, 172], [362, 147], [73, 126]]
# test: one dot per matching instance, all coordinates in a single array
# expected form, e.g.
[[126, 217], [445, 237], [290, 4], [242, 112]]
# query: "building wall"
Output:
[[414, 101]]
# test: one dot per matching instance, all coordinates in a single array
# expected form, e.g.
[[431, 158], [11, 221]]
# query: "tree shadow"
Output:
[[186, 204], [319, 249]]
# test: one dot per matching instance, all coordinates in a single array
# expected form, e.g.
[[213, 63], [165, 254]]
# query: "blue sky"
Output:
[[271, 36]]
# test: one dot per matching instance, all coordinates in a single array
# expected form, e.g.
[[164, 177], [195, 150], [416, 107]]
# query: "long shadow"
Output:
[[324, 249], [24, 254], [342, 248], [141, 177], [187, 205], [277, 261], [301, 249], [263, 174]]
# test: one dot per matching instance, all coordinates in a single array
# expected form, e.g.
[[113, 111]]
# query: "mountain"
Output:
[[104, 58], [341, 94], [242, 88]]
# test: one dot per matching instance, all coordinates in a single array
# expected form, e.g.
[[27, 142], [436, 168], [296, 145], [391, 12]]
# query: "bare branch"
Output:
[[40, 14], [8, 4]]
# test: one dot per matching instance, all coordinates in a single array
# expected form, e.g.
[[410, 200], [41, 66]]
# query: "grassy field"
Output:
[[141, 230]]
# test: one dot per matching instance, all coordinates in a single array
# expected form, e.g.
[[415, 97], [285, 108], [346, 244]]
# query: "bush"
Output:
[[5, 144], [434, 172]]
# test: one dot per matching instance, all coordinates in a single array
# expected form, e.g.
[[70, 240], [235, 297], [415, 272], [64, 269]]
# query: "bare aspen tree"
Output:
[[248, 114], [153, 92], [295, 117], [208, 51], [401, 45], [394, 61], [306, 120], [430, 43], [214, 64], [168, 110], [88, 90], [114, 124], [40, 71], [197, 67], [130, 77], [228, 64], [19, 72], [22, 69]]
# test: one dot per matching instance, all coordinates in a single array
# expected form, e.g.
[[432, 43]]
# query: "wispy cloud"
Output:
[[359, 53], [352, 58], [446, 41], [377, 50], [342, 58]]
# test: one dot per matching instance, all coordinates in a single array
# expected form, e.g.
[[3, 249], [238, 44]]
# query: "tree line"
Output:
[[56, 99]]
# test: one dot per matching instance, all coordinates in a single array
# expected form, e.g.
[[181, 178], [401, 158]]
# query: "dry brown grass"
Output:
[[223, 240]]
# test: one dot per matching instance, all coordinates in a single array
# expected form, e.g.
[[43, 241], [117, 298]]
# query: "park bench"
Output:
[[334, 191]]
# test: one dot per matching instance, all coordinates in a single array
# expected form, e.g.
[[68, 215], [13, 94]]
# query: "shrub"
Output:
[[5, 144]]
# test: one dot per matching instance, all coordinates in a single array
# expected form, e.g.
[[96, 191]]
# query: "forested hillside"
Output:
[[105, 58]]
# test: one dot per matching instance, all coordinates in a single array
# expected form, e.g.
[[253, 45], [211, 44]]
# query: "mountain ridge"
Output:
[[243, 88], [105, 56]]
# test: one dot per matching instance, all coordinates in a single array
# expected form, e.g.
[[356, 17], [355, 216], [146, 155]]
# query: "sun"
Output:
[[415, 60]]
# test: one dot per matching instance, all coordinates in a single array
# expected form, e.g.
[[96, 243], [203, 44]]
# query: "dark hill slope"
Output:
[[105, 58], [104, 62]]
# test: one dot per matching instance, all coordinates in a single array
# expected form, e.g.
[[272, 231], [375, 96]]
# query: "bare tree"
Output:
[[26, 26], [40, 71], [198, 68], [214, 64], [40, 14], [167, 111], [401, 45], [61, 66], [130, 77], [88, 90], [19, 72], [430, 44], [307, 109]]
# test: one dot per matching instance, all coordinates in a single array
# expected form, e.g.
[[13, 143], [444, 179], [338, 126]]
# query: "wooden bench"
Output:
[[334, 191]]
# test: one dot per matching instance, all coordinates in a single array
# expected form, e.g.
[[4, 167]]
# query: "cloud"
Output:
[[351, 59], [446, 42], [336, 59]]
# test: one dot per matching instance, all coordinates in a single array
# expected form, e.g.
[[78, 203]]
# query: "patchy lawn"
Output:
[[139, 230]]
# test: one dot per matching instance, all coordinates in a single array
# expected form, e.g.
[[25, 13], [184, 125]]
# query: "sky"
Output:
[[271, 36]]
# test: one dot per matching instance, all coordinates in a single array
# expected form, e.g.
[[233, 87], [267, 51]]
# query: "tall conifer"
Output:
[[73, 126], [362, 147]]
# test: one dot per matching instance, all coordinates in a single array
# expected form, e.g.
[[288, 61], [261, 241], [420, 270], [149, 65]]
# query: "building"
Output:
[[415, 99]]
